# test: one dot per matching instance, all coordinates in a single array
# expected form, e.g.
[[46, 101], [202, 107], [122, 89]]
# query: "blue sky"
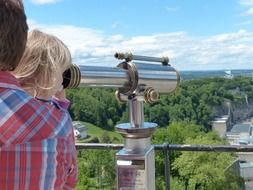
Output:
[[195, 34]]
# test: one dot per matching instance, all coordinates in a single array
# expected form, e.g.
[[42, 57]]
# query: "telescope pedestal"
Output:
[[136, 161], [137, 79]]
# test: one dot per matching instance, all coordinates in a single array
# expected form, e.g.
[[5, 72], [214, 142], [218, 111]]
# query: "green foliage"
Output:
[[194, 170], [205, 170], [176, 133], [183, 117], [159, 183], [95, 106], [176, 184], [97, 134], [193, 101], [105, 138], [96, 169]]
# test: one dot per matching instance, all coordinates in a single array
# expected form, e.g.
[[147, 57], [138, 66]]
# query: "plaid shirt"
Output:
[[37, 149]]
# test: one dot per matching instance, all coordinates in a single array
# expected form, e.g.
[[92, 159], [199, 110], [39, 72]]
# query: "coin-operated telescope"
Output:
[[137, 79]]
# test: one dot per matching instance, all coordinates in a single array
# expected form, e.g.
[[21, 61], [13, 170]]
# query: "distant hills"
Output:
[[189, 75]]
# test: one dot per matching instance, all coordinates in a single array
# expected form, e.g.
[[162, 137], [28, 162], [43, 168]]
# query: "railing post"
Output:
[[167, 165]]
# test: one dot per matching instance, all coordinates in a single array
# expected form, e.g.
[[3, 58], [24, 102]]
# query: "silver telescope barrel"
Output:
[[161, 78], [95, 76], [128, 77], [103, 77]]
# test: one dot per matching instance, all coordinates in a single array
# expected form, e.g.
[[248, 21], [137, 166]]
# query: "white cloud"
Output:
[[245, 23], [248, 5], [246, 2], [249, 11], [171, 9], [93, 47], [44, 1]]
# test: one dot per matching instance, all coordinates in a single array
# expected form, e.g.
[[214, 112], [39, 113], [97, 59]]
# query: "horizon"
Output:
[[216, 70], [195, 35]]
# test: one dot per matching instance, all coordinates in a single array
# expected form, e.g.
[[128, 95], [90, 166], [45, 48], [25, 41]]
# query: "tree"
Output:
[[175, 133], [96, 169], [105, 138], [205, 170]]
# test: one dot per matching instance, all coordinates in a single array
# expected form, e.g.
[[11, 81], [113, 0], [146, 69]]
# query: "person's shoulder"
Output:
[[23, 98], [31, 119]]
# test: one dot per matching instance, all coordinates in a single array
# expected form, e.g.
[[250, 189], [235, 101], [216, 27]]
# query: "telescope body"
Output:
[[93, 76], [128, 77], [137, 79], [163, 78]]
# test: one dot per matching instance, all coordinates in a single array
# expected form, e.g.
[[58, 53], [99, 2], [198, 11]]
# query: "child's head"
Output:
[[13, 33], [42, 65]]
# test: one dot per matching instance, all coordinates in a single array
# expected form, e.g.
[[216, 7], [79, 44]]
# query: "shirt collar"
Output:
[[7, 80]]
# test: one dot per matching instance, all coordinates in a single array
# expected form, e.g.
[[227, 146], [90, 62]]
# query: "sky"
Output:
[[194, 34]]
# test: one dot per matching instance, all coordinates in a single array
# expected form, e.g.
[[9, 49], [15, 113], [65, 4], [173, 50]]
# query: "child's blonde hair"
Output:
[[45, 58]]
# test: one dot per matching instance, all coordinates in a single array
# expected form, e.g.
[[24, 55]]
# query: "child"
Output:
[[42, 65], [40, 74]]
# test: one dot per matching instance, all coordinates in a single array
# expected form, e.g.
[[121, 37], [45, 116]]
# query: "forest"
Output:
[[183, 117]]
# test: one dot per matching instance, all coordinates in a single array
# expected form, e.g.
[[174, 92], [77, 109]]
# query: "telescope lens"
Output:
[[71, 77], [66, 78]]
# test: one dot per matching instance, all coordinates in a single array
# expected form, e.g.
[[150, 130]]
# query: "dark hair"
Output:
[[13, 33]]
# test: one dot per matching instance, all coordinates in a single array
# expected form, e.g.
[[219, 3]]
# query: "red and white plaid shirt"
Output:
[[37, 149]]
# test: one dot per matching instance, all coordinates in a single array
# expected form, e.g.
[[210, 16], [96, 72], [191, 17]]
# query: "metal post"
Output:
[[136, 112], [135, 165], [167, 166]]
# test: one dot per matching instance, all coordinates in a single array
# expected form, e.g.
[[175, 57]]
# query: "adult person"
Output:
[[36, 149]]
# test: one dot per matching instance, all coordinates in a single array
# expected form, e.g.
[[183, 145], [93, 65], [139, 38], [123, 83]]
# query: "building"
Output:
[[80, 131], [221, 125], [240, 134], [228, 74], [246, 171]]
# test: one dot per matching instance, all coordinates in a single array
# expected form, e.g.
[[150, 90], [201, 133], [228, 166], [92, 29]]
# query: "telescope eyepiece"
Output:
[[71, 77], [66, 78]]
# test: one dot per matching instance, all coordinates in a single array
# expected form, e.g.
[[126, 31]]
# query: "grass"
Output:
[[95, 133]]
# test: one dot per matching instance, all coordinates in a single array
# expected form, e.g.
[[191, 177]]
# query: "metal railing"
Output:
[[166, 148]]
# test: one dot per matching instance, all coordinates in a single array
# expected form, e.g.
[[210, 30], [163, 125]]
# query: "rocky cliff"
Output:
[[238, 112]]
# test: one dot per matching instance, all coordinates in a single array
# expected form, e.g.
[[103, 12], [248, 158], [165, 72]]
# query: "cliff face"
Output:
[[241, 111], [238, 111]]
